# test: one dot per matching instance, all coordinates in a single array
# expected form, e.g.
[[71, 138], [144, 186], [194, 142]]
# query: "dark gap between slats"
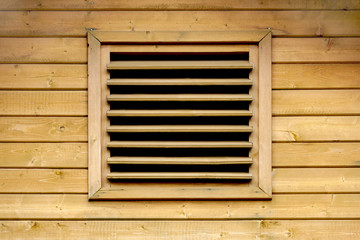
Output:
[[179, 120], [179, 56], [179, 152], [180, 136], [215, 105], [179, 89]]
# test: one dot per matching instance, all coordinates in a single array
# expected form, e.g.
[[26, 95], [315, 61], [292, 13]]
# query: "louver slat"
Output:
[[179, 128], [179, 97], [179, 113], [179, 175], [179, 144], [148, 65], [179, 81], [179, 160]]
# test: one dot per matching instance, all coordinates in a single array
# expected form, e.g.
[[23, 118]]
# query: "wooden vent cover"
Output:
[[179, 120]]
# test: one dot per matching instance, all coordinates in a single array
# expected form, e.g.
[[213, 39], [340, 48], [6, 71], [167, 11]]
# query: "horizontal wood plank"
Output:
[[38, 103], [179, 128], [165, 65], [77, 206], [285, 180], [179, 5], [177, 113], [152, 40], [316, 180], [311, 50], [43, 50], [178, 175], [316, 102], [179, 81], [315, 76], [179, 160], [43, 76], [316, 154], [195, 230], [43, 129], [282, 23], [43, 180], [43, 155], [179, 97], [299, 129]]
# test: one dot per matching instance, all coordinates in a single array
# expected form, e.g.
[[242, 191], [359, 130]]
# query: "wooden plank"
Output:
[[178, 144], [316, 154], [178, 175], [316, 102], [43, 76], [282, 23], [179, 97], [316, 180], [285, 180], [315, 76], [151, 65], [312, 50], [180, 5], [195, 230], [43, 181], [43, 155], [179, 81], [179, 160], [43, 50], [40, 103], [43, 129], [179, 128], [299, 129], [77, 206], [177, 113]]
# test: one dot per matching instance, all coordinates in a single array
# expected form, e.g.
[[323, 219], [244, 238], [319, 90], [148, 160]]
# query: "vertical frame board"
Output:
[[98, 51]]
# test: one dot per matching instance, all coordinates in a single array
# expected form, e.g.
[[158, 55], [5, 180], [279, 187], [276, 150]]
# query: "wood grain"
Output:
[[43, 76], [43, 129], [316, 154], [311, 50], [316, 102], [315, 76], [282, 23], [299, 129], [316, 180], [43, 181], [43, 155], [179, 5], [77, 206], [39, 103], [43, 50], [195, 230]]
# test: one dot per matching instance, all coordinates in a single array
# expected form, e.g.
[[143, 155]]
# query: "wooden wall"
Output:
[[316, 122]]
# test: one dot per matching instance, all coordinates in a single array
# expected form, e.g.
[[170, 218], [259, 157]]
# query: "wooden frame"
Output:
[[100, 188]]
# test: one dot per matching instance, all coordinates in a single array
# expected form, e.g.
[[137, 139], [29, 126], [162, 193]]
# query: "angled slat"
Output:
[[124, 65], [179, 160], [179, 128], [180, 81], [179, 144], [179, 97], [178, 113], [179, 175]]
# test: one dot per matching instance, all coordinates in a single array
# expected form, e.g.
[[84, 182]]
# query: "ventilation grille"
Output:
[[179, 117]]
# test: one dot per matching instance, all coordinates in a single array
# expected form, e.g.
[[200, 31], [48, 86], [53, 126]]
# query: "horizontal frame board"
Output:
[[282, 23]]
